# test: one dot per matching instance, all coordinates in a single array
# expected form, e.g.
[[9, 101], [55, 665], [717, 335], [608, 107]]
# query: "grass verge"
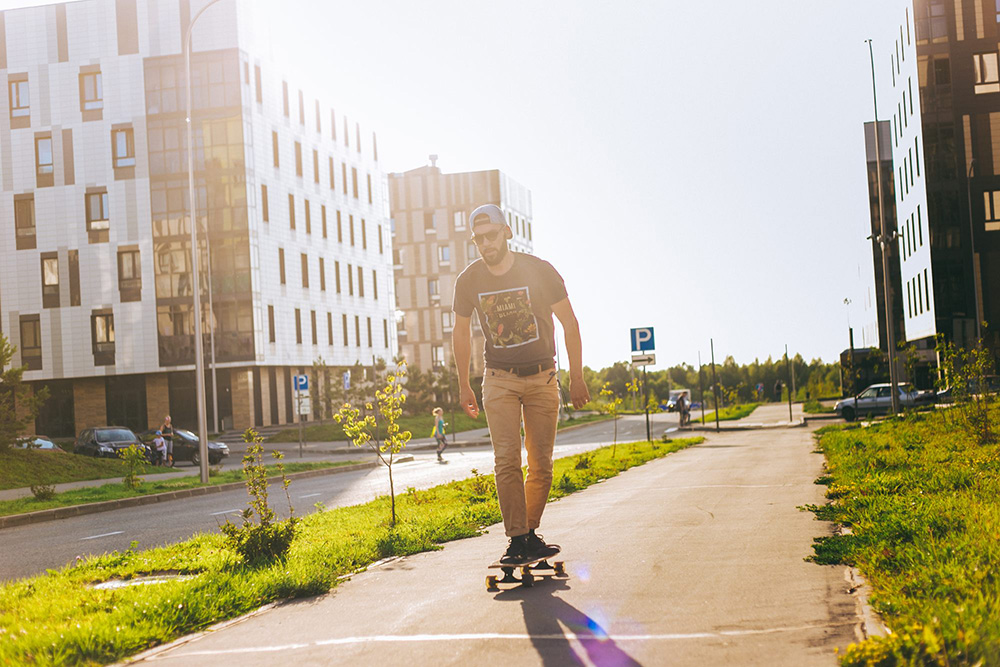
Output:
[[24, 467], [59, 618], [923, 504], [814, 407], [117, 490], [730, 413]]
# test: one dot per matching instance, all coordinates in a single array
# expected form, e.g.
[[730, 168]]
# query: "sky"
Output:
[[697, 167]]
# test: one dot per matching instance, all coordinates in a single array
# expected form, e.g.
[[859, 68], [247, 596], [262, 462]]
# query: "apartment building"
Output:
[[95, 277], [432, 245]]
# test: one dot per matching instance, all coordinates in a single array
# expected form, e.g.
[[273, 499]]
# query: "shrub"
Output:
[[134, 460], [584, 461], [43, 491]]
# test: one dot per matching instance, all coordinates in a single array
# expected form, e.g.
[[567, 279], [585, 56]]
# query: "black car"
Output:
[[107, 441], [186, 446]]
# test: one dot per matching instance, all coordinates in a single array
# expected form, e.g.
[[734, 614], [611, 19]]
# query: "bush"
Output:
[[134, 460], [43, 491], [584, 461]]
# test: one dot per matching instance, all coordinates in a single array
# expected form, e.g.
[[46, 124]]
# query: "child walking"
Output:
[[438, 432]]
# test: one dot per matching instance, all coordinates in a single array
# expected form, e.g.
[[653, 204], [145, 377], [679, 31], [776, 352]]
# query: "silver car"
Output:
[[876, 400]]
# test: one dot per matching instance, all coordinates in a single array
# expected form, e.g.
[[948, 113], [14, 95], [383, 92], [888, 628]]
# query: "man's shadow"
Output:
[[547, 618]]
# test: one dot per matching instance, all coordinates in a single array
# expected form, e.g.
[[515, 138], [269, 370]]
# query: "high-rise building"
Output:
[[432, 245], [939, 88], [95, 216]]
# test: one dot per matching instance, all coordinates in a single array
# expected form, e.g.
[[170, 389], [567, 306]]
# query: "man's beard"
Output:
[[499, 257]]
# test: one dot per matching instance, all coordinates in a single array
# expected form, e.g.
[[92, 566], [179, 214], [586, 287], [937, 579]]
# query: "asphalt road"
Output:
[[31, 549]]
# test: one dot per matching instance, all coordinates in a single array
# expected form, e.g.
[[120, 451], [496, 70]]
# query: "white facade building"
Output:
[[95, 287]]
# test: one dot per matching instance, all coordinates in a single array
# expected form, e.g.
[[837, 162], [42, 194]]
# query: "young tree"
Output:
[[19, 405], [389, 404], [612, 407]]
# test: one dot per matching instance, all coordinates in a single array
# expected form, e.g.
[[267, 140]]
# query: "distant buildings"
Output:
[[95, 271], [939, 89], [432, 244]]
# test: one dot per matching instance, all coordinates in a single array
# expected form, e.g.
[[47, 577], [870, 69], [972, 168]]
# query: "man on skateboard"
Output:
[[516, 295]]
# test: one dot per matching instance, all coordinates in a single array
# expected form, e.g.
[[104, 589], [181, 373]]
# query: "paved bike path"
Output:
[[693, 559]]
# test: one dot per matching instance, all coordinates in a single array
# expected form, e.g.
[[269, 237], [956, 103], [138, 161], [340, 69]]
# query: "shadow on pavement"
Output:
[[547, 619]]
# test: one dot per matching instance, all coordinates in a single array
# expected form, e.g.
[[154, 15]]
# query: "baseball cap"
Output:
[[487, 214], [159, 433]]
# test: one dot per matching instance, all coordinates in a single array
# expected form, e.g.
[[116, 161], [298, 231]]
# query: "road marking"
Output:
[[483, 636], [94, 537], [223, 512], [311, 495]]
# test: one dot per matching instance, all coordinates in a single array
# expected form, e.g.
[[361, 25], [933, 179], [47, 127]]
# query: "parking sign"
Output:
[[642, 339], [301, 383]]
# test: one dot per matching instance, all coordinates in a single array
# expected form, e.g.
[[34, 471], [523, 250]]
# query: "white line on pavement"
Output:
[[94, 537], [223, 512], [375, 639], [311, 495]]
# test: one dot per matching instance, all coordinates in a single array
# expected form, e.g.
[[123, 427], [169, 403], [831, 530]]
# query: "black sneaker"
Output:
[[516, 552], [537, 548]]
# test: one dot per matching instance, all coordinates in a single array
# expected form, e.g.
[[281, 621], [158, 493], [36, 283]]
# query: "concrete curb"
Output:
[[871, 622], [109, 505], [743, 427]]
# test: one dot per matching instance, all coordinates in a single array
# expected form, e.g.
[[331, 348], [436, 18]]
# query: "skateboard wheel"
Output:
[[559, 567], [491, 583], [526, 577]]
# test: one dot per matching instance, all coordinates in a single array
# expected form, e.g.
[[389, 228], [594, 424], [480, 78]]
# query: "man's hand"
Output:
[[578, 392], [467, 399]]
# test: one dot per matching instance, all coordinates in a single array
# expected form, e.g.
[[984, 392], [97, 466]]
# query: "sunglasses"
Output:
[[478, 239]]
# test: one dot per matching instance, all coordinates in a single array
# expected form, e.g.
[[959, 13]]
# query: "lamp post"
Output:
[[972, 242], [884, 240], [199, 348]]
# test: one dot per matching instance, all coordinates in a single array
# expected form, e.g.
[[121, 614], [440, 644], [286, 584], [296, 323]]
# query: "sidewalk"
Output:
[[769, 415], [693, 559]]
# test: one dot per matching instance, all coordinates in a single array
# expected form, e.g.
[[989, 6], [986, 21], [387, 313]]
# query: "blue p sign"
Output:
[[301, 383], [642, 339]]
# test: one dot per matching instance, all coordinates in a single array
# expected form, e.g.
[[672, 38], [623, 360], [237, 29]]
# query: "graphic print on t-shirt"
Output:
[[509, 320]]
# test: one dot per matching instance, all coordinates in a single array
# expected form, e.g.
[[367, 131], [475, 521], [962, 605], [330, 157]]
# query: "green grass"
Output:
[[923, 504], [814, 407], [729, 413], [58, 618], [419, 425], [117, 490], [21, 468]]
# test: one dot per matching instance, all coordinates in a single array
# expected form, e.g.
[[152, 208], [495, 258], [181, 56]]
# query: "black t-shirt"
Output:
[[515, 309]]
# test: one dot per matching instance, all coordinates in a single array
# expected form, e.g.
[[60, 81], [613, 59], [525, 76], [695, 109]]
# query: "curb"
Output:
[[747, 427], [870, 621], [109, 505]]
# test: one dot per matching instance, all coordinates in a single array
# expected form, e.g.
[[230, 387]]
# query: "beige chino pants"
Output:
[[507, 398]]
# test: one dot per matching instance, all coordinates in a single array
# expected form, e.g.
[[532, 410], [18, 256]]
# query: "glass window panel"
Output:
[[50, 272]]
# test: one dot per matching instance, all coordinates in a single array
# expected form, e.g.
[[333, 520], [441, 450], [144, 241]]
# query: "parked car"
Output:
[[991, 384], [107, 442], [186, 446], [877, 400], [40, 442]]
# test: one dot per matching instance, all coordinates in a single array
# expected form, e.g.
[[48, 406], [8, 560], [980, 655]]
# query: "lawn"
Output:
[[60, 618], [21, 468], [922, 501], [117, 490], [728, 413], [814, 407]]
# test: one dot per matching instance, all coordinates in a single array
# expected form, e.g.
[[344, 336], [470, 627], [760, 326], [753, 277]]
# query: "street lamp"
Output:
[[972, 241], [199, 350], [884, 240]]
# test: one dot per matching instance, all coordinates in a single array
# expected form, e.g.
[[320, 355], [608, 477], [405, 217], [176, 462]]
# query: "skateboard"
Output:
[[529, 571]]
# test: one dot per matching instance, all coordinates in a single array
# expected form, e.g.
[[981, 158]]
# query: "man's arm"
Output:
[[578, 391], [461, 345]]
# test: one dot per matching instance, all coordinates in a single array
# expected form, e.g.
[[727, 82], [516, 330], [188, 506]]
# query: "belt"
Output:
[[523, 371]]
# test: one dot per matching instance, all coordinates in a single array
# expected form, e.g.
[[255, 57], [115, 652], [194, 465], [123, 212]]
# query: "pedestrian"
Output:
[[160, 445], [168, 436], [438, 432], [516, 295], [777, 390], [684, 407]]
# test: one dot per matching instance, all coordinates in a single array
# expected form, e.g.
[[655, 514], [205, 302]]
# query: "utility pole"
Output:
[[645, 393], [977, 295], [715, 386], [788, 367], [701, 390], [884, 240]]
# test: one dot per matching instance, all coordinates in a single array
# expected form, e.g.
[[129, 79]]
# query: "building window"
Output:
[[44, 167], [315, 166], [298, 159], [350, 280], [257, 85], [369, 332], [986, 75], [364, 235], [340, 229], [432, 289], [343, 177], [322, 275], [31, 342], [375, 284], [369, 176], [336, 275], [302, 109], [333, 125], [20, 107], [309, 227], [50, 280], [447, 320], [91, 92], [385, 332], [361, 282], [444, 255], [129, 275], [332, 185], [284, 98], [354, 181], [991, 203], [357, 136], [103, 336], [281, 265], [123, 145], [274, 148], [350, 225], [313, 322], [305, 270], [319, 123], [343, 321], [346, 142], [270, 309], [329, 329], [24, 221], [437, 356], [263, 203], [322, 212], [298, 326], [357, 331], [98, 217], [380, 248], [429, 221], [291, 211], [459, 220]]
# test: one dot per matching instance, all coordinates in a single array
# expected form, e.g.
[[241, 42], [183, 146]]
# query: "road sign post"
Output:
[[302, 404], [643, 341]]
